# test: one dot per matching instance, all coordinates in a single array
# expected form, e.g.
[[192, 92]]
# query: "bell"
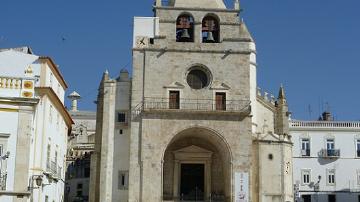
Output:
[[185, 34], [210, 37]]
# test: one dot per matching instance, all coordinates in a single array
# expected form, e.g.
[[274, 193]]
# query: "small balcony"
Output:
[[305, 152], [330, 153], [51, 168], [3, 177], [193, 106]]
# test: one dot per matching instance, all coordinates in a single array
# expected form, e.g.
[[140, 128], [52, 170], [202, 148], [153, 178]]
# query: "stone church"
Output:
[[190, 124]]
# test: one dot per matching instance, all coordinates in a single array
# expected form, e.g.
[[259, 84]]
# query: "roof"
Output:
[[23, 49]]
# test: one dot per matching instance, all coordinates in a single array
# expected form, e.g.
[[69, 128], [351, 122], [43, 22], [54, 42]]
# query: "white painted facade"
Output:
[[34, 126], [326, 159]]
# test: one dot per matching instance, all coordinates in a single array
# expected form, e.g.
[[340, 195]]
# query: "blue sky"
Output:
[[312, 47]]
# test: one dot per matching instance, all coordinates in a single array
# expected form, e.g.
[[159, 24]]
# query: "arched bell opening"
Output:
[[210, 29], [185, 28], [197, 167]]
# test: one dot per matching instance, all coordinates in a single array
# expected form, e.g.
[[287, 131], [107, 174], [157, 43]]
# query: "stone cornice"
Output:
[[19, 101], [193, 51], [198, 9]]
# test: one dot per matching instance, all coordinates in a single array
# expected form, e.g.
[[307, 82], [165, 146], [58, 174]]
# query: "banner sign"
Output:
[[241, 187]]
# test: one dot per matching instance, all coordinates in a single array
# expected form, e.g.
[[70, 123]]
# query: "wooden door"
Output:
[[174, 100], [220, 101]]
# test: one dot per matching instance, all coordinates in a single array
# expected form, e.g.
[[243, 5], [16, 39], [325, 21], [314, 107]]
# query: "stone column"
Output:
[[176, 179], [107, 143]]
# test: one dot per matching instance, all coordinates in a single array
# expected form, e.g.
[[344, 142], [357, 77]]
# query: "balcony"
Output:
[[330, 153], [305, 152], [51, 168], [3, 177], [192, 106]]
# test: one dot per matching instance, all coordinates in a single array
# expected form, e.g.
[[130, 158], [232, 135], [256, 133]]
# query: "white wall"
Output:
[[346, 167], [145, 26]]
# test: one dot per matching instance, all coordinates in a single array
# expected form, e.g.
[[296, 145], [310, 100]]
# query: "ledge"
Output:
[[18, 194], [225, 10]]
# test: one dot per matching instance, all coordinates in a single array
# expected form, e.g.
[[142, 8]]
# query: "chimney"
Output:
[[74, 97], [326, 116]]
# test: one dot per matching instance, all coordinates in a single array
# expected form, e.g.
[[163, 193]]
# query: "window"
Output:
[[121, 117], [330, 176], [220, 101], [51, 79], [48, 156], [46, 198], [87, 171], [305, 176], [51, 113], [174, 100], [185, 28], [123, 180], [55, 158], [305, 147], [210, 30], [331, 198], [358, 148], [330, 144], [306, 198], [197, 78]]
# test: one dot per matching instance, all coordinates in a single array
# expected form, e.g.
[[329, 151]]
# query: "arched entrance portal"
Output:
[[197, 167]]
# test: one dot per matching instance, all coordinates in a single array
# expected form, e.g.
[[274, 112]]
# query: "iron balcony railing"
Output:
[[330, 153], [53, 168], [192, 105], [3, 176], [305, 152]]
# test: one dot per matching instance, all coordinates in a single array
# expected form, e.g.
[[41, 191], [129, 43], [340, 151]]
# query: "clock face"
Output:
[[142, 42]]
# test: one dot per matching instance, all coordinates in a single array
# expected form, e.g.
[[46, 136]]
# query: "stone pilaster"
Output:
[[23, 142]]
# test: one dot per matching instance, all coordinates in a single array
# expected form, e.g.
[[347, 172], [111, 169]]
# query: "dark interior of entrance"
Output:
[[192, 182]]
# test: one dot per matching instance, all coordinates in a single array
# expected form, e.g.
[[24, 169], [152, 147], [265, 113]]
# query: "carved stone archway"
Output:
[[197, 146]]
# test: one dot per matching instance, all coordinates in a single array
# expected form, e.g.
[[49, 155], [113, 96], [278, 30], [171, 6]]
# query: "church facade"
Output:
[[191, 123]]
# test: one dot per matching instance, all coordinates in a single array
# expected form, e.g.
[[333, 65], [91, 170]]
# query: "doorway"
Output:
[[192, 182]]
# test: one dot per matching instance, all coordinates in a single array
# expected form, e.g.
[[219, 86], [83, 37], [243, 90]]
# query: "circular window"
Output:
[[197, 78]]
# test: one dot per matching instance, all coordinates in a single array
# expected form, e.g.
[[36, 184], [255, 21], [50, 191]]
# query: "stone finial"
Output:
[[237, 5], [258, 91], [281, 96], [266, 98], [29, 71], [105, 75], [272, 99], [74, 97]]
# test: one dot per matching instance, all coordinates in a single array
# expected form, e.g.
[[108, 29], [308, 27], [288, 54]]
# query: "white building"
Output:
[[326, 159], [34, 127]]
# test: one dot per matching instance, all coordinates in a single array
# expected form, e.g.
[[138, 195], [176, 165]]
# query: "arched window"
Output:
[[185, 28], [210, 30]]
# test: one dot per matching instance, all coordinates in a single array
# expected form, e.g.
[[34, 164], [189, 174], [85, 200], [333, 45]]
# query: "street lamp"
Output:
[[38, 181]]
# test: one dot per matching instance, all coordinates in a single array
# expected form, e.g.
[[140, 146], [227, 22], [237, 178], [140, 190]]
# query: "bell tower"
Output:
[[193, 90]]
